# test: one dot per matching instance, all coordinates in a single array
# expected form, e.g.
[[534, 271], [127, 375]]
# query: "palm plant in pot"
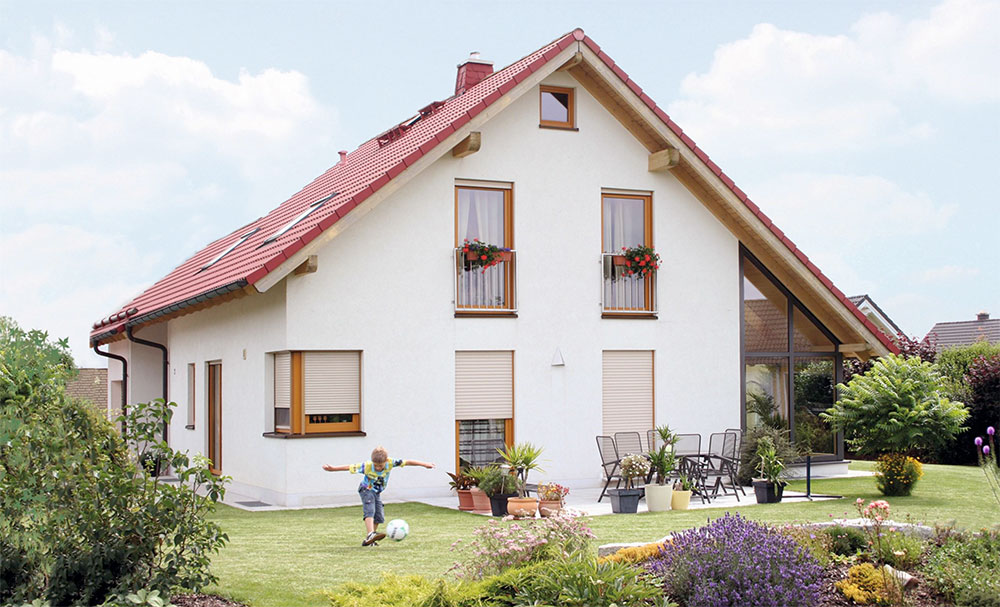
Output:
[[522, 458], [633, 467], [499, 485], [769, 486], [462, 483], [662, 461], [480, 501]]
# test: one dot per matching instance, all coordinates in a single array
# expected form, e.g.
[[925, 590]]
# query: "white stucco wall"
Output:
[[402, 318]]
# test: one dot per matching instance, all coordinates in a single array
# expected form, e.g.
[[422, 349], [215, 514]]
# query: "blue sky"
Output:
[[132, 134]]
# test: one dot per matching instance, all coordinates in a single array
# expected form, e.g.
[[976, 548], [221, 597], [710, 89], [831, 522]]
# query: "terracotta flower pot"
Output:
[[505, 256], [619, 260], [480, 501], [549, 507], [522, 506], [465, 502]]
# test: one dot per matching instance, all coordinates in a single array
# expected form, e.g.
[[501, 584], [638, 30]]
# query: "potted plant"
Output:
[[662, 461], [478, 254], [550, 498], [769, 486], [640, 261], [463, 484], [681, 498], [480, 501], [522, 459], [499, 485], [633, 466]]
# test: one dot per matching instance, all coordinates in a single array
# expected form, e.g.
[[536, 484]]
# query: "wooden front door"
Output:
[[215, 416]]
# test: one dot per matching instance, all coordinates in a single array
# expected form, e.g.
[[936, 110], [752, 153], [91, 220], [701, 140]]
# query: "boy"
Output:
[[376, 477]]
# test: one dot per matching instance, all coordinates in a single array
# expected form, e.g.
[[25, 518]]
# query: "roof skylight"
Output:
[[230, 249], [291, 224]]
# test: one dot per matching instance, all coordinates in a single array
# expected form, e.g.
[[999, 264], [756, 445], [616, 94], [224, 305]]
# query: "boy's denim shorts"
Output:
[[371, 505]]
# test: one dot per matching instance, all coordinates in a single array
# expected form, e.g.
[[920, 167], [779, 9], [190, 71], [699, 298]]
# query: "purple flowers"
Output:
[[990, 431], [733, 561], [979, 441], [986, 450]]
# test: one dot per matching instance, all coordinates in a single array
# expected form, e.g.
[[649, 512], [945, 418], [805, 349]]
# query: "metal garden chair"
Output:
[[609, 463]]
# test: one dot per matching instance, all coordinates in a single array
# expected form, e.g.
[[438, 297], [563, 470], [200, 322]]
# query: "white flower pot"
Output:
[[658, 497]]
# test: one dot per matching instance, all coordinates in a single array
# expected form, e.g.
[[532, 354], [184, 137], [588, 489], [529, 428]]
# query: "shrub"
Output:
[[80, 520], [896, 407], [964, 569], [734, 561], [583, 582], [404, 591], [900, 550], [634, 554], [846, 541], [498, 546], [974, 389], [819, 544], [748, 454], [896, 474], [864, 585]]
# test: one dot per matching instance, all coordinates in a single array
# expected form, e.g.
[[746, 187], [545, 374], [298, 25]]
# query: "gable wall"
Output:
[[400, 312]]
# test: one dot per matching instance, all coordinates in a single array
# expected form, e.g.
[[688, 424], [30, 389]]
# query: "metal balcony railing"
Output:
[[485, 290], [625, 294]]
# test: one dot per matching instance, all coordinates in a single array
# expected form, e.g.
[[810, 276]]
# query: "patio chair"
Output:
[[692, 462], [629, 442], [609, 463], [652, 439], [739, 453], [721, 463]]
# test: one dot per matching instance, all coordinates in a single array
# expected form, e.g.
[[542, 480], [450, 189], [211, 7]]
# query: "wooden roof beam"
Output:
[[469, 145], [664, 160]]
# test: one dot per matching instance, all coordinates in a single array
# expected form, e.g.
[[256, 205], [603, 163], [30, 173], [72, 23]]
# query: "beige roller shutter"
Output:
[[628, 391], [282, 380], [484, 385], [332, 382]]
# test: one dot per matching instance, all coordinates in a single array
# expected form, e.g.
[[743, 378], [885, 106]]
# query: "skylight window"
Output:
[[291, 224], [230, 249]]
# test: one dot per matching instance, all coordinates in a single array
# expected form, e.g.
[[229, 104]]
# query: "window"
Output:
[[317, 392], [484, 406], [627, 391], [556, 107], [484, 214], [626, 222], [790, 363], [190, 395]]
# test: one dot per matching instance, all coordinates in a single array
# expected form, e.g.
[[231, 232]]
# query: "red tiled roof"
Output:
[[364, 172]]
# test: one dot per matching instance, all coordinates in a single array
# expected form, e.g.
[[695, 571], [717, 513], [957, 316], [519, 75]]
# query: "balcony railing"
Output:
[[485, 290], [624, 294]]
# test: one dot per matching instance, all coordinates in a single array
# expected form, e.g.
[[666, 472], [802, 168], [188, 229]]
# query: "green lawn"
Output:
[[287, 557]]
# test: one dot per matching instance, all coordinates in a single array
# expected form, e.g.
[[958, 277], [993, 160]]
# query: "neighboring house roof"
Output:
[[90, 384], [868, 307], [965, 332], [382, 161]]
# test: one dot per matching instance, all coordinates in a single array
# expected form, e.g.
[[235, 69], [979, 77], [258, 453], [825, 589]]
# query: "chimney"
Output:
[[343, 156], [472, 72], [984, 315]]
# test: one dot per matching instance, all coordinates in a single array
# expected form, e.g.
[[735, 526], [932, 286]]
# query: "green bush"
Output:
[[847, 541], [80, 521], [406, 591], [900, 550], [583, 582], [964, 569], [964, 382]]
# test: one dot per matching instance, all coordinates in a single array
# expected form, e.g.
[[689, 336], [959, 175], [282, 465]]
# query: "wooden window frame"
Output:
[[508, 243], [557, 124], [214, 378], [300, 424], [647, 230], [192, 382]]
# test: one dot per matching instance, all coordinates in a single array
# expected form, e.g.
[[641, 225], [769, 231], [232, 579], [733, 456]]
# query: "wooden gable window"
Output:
[[317, 392], [626, 222], [557, 107], [484, 218]]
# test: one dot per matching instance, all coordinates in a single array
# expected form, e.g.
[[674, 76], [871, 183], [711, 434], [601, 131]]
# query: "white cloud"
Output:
[[948, 273], [797, 92]]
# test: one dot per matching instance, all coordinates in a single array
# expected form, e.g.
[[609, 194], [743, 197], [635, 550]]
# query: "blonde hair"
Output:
[[379, 455]]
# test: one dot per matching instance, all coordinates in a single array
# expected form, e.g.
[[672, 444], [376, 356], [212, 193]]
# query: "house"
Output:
[[874, 313], [91, 385], [352, 314], [965, 332]]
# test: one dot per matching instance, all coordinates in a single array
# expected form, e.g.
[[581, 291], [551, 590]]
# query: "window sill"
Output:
[[470, 314], [558, 128], [189, 427], [312, 435], [641, 316]]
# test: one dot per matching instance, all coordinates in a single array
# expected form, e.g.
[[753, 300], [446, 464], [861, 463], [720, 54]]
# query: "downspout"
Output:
[[163, 350], [124, 363]]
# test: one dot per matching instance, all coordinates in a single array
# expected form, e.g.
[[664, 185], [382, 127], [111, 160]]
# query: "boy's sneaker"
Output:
[[372, 538]]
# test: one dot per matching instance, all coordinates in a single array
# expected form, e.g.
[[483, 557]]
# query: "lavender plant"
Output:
[[734, 561]]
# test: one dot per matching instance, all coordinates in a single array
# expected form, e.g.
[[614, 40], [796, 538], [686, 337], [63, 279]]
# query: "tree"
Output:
[[896, 407]]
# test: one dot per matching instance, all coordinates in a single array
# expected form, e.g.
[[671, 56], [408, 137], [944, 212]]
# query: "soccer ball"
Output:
[[397, 529]]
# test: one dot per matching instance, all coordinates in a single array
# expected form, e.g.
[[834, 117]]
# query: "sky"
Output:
[[134, 133]]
